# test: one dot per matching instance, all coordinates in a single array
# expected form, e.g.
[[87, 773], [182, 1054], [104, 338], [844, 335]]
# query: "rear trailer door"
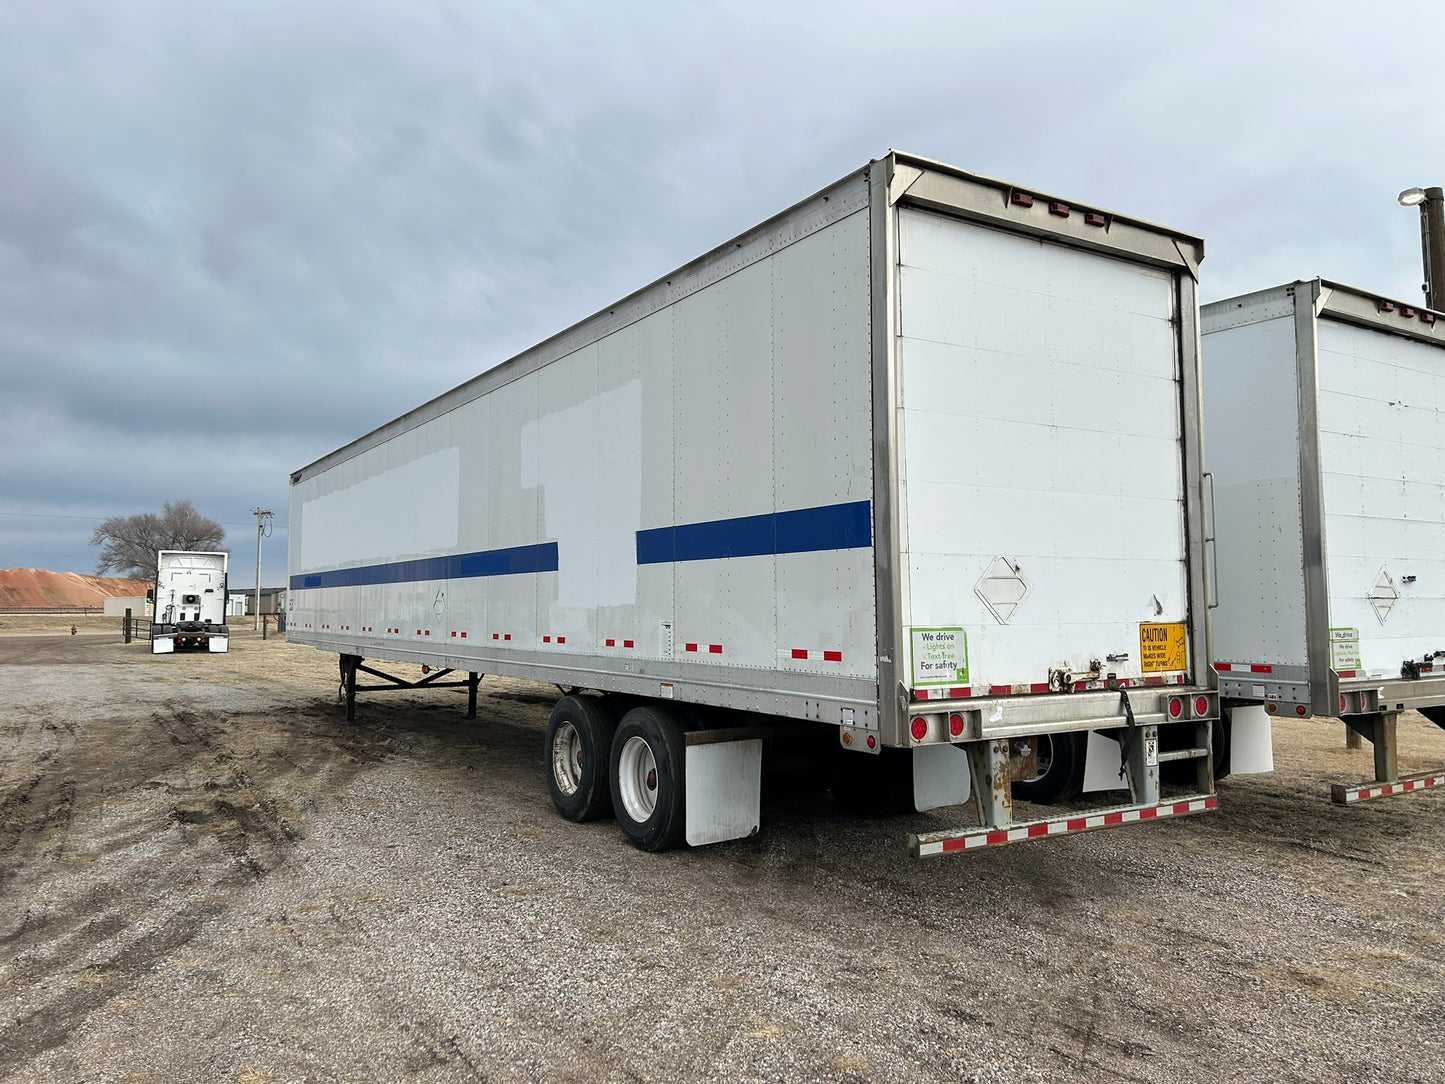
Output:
[[1382, 459], [1041, 475]]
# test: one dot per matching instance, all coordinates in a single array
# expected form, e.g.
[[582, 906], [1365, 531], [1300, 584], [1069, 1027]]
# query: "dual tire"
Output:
[[632, 768]]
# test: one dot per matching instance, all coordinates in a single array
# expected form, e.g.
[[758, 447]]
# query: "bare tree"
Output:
[[129, 544]]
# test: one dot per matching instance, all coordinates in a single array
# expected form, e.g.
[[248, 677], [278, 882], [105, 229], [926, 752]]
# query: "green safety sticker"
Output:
[[940, 657], [1345, 649]]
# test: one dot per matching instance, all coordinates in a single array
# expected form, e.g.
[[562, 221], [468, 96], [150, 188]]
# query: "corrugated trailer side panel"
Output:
[[684, 497], [1252, 426], [1382, 457]]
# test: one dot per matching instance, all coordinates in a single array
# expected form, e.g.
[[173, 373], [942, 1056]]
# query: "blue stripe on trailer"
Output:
[[512, 561], [830, 527]]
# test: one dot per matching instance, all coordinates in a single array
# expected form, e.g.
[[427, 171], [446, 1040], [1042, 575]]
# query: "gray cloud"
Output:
[[236, 236]]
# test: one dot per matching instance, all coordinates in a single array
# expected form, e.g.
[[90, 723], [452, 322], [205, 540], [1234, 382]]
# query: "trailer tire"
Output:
[[579, 751], [1061, 770], [649, 757], [1219, 741]]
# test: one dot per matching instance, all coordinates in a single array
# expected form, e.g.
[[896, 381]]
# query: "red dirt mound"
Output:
[[35, 587]]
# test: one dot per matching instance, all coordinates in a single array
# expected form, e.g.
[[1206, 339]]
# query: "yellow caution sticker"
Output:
[[1163, 646]]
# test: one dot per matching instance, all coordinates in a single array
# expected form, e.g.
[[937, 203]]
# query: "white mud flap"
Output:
[[218, 645], [163, 645], [1251, 746], [724, 790], [1102, 761], [940, 776]]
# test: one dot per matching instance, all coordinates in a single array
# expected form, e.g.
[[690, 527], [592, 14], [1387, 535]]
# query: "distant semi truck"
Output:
[[190, 609], [916, 464]]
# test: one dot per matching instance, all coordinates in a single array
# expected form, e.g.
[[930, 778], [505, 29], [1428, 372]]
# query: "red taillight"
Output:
[[1176, 707], [920, 729], [1299, 709], [955, 724], [1342, 703], [1201, 705], [872, 742]]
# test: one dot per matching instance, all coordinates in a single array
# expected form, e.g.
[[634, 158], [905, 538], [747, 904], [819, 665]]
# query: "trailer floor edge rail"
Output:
[[932, 844], [352, 664]]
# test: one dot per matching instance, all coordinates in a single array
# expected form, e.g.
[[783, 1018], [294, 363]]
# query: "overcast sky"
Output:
[[234, 236]]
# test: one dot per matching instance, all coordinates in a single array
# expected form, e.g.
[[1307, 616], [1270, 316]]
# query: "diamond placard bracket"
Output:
[[1383, 595], [1003, 589]]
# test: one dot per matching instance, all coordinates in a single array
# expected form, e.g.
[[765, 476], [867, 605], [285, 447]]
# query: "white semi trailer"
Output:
[[190, 604], [1325, 410], [915, 464]]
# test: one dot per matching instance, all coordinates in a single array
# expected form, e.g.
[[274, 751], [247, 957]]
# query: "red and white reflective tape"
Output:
[[455, 634], [803, 653], [626, 644], [932, 844], [966, 692], [958, 692], [501, 636], [1242, 668], [548, 639], [1365, 791], [710, 649]]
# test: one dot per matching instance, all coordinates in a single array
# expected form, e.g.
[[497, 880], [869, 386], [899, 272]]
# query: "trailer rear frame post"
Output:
[[988, 762], [1379, 728]]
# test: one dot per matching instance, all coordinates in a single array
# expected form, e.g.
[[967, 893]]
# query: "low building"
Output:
[[138, 605]]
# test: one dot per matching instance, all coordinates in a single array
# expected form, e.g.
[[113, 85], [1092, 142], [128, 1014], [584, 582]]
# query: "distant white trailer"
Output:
[[915, 463], [190, 604], [1325, 417]]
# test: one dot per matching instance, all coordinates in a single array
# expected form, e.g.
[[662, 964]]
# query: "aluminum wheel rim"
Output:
[[637, 778], [567, 758]]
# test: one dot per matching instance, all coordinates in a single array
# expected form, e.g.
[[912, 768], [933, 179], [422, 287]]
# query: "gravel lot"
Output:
[[206, 875]]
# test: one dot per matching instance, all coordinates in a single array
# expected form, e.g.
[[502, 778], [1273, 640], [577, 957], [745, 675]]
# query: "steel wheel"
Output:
[[567, 759], [579, 745], [637, 778]]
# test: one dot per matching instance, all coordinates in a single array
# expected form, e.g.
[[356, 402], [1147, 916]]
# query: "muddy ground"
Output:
[[207, 875]]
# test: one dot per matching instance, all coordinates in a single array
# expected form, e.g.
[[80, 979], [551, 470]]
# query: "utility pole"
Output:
[[1431, 202], [263, 528]]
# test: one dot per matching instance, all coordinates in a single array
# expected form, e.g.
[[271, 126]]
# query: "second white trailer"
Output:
[[1325, 416], [917, 460]]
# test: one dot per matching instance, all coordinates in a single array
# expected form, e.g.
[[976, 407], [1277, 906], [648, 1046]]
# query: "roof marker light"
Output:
[[1093, 218], [1387, 306], [1407, 312], [1059, 209], [1427, 318], [1020, 199]]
